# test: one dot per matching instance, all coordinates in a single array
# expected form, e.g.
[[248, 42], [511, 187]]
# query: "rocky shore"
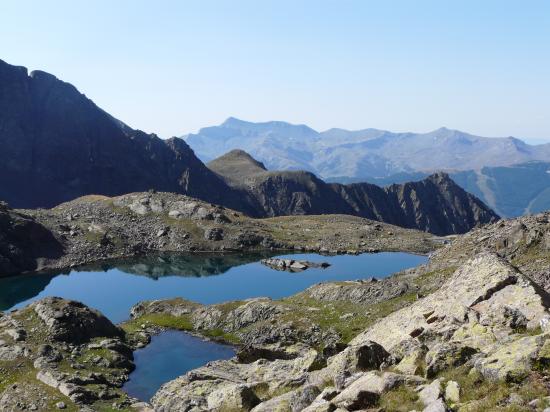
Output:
[[98, 228]]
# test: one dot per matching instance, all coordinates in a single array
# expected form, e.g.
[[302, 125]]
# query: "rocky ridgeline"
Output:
[[436, 204], [292, 265], [96, 228]]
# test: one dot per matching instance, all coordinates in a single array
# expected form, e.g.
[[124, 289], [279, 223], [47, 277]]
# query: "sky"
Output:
[[172, 67]]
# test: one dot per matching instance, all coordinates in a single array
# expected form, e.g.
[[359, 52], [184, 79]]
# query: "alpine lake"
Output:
[[113, 288]]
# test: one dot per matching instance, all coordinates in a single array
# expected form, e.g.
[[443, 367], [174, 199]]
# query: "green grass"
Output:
[[486, 395], [182, 322], [401, 399]]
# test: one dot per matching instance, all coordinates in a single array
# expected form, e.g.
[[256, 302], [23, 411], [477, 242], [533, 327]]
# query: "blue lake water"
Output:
[[168, 356], [115, 288]]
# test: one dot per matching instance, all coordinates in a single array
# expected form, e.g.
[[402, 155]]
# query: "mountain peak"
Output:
[[234, 122], [236, 165]]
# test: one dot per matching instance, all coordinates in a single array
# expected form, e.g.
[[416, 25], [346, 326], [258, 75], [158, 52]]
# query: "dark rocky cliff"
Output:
[[56, 145], [435, 204]]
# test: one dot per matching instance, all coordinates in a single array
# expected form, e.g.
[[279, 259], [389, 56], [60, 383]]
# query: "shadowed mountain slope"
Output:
[[56, 145], [435, 204]]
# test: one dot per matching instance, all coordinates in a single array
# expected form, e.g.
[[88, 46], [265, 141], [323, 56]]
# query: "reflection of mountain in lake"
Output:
[[20, 288], [195, 265]]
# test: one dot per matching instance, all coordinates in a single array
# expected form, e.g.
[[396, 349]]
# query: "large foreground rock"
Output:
[[483, 301], [73, 322]]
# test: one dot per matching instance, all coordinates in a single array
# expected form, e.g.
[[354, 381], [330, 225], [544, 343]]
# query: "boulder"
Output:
[[484, 288], [357, 358], [452, 392], [73, 322]]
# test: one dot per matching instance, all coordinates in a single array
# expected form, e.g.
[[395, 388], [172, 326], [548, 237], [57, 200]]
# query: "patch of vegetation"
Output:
[[182, 322], [332, 315], [186, 224], [219, 334], [401, 399], [485, 395]]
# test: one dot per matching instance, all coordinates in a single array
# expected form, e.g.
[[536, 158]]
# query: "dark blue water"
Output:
[[114, 289], [168, 356]]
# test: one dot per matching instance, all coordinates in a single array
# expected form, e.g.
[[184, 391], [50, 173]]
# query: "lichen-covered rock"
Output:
[[513, 361], [357, 358], [72, 321], [452, 392], [265, 378], [446, 355], [364, 391], [294, 401], [480, 290]]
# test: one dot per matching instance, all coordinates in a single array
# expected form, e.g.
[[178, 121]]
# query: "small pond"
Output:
[[168, 356]]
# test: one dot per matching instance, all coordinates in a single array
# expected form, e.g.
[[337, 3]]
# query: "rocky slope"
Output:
[[435, 204], [25, 245], [57, 145], [98, 228]]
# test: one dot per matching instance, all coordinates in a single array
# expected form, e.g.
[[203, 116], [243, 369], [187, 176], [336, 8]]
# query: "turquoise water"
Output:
[[115, 288], [168, 356]]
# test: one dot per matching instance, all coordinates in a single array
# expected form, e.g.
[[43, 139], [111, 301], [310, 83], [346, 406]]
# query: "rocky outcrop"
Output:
[[70, 321], [292, 265], [96, 228], [524, 241], [435, 204], [25, 245], [58, 354]]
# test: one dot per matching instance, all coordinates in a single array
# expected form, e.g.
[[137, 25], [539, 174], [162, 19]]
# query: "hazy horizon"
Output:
[[171, 69]]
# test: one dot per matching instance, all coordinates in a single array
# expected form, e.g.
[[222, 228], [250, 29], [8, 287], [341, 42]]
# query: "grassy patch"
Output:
[[182, 322], [219, 334], [401, 399], [328, 315], [485, 395], [186, 224]]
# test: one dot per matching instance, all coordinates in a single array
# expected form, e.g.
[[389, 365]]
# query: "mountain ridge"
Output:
[[361, 153], [435, 204], [58, 145]]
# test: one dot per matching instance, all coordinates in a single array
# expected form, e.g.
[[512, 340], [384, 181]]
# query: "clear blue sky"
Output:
[[172, 67]]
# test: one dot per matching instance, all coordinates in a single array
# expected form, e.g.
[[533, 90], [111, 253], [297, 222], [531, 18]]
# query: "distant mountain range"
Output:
[[56, 145], [506, 173]]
